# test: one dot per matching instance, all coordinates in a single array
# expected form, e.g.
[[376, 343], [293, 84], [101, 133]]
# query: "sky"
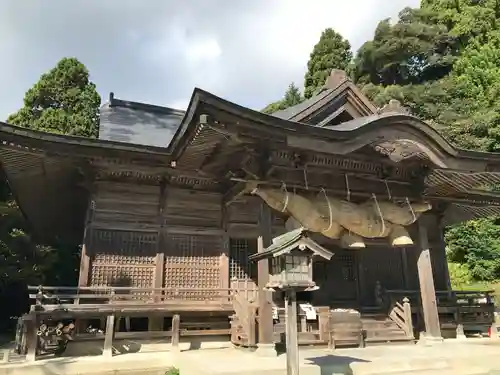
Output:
[[158, 51]]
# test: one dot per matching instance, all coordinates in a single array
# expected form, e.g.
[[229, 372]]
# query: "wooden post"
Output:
[[224, 256], [109, 336], [266, 328], [32, 338], [155, 323], [427, 289], [408, 319], [405, 269], [292, 343], [176, 325], [324, 324], [5, 358]]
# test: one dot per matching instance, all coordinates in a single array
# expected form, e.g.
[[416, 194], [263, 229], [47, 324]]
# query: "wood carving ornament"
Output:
[[340, 219]]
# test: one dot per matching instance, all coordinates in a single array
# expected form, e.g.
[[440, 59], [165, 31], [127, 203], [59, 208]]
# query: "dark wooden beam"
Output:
[[256, 166], [236, 191]]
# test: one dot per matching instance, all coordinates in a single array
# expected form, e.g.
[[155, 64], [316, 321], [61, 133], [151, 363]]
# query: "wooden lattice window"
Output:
[[347, 267], [122, 258], [239, 266], [128, 247], [192, 266]]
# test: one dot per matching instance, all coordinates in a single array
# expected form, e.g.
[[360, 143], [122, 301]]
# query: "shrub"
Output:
[[460, 275]]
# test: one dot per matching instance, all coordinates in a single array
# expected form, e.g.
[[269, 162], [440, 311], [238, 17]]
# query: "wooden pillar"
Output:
[[266, 329], [83, 278], [292, 344], [426, 280], [109, 336], [405, 269], [32, 338], [155, 323], [85, 264], [176, 325], [224, 256]]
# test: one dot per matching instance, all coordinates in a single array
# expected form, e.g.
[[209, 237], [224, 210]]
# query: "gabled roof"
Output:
[[138, 123], [338, 101], [295, 239]]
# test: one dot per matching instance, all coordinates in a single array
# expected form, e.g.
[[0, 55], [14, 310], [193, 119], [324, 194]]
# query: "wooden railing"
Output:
[[449, 300], [400, 313], [128, 295], [454, 307], [244, 329]]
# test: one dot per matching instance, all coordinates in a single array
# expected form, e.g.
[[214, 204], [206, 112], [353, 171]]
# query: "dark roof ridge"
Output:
[[114, 102]]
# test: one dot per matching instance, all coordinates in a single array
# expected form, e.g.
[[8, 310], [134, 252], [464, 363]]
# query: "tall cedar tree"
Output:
[[331, 52], [63, 101]]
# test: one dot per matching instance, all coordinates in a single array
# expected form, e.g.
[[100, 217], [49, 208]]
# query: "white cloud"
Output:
[[203, 50], [179, 104], [158, 51]]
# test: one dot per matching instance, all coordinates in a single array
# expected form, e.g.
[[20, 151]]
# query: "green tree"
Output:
[[476, 244], [331, 52], [63, 101], [412, 51], [476, 83], [465, 19], [441, 61], [292, 97]]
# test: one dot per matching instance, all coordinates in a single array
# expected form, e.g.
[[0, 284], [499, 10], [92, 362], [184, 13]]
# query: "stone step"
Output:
[[385, 333]]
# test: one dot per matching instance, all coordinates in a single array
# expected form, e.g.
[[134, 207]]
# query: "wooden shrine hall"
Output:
[[169, 205]]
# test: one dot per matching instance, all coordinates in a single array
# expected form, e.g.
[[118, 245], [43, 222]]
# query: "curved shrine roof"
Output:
[[55, 163]]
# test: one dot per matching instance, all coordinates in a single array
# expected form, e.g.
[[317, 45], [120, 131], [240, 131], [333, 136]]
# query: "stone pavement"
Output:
[[127, 364], [468, 357]]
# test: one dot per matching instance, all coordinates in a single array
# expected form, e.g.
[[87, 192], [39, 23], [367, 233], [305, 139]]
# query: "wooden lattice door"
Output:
[[192, 267], [242, 273]]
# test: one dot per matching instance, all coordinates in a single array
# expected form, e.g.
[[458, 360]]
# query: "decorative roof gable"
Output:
[[338, 101]]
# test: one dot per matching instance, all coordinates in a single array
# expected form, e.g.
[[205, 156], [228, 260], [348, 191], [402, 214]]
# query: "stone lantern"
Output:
[[290, 258]]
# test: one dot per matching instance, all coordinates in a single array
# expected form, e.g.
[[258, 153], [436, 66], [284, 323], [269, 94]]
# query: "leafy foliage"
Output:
[[442, 61], [331, 52], [172, 371], [410, 52], [460, 275], [477, 245], [63, 101], [292, 97]]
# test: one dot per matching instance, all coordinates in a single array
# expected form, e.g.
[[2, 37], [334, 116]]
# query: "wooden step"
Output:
[[388, 340]]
